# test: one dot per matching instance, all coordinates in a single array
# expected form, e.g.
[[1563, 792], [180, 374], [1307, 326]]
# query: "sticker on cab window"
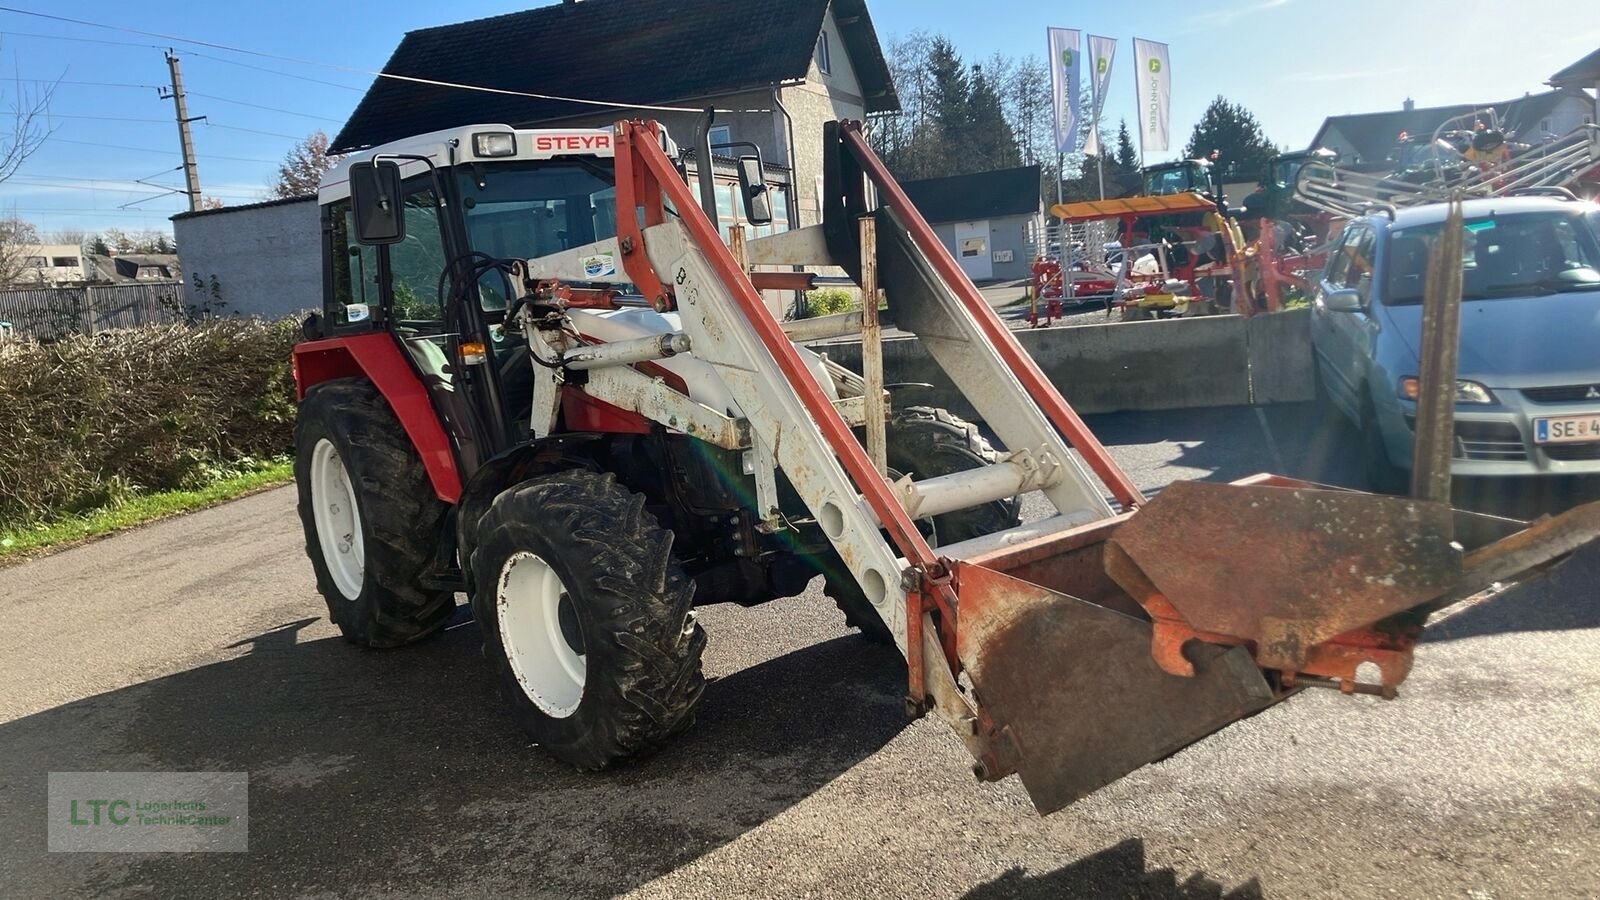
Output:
[[357, 312], [599, 265]]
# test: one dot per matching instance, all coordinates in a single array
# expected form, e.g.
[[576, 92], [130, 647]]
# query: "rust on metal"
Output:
[[1324, 562], [1073, 688], [1533, 548], [1434, 446]]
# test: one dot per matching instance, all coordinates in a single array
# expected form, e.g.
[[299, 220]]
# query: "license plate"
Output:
[[1567, 430]]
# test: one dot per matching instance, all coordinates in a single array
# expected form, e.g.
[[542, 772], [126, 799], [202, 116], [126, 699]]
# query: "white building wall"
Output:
[[266, 261]]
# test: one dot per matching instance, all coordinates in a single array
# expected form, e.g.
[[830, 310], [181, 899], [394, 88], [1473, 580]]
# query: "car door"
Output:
[[1325, 331], [1354, 334]]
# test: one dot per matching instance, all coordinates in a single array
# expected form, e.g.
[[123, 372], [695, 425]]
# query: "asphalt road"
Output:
[[199, 644]]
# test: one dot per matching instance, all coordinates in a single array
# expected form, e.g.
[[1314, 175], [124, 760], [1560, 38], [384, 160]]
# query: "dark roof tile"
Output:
[[983, 195], [653, 52]]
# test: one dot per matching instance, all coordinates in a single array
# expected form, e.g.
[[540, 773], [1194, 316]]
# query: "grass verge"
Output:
[[24, 542]]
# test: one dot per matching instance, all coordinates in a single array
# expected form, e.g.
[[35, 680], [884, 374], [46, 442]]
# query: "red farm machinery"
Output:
[[542, 379]]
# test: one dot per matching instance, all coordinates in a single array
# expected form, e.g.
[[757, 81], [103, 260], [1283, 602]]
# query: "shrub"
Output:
[[828, 302], [88, 420]]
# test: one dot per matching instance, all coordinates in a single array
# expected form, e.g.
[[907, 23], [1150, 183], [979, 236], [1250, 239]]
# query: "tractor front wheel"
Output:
[[586, 618], [371, 519]]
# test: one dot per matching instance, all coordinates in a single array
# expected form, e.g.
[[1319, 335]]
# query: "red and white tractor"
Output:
[[542, 379]]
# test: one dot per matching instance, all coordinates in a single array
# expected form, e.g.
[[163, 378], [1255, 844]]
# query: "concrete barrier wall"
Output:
[[1137, 366]]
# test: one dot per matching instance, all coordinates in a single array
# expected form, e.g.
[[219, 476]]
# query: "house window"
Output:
[[36, 262], [824, 54], [64, 262], [721, 135]]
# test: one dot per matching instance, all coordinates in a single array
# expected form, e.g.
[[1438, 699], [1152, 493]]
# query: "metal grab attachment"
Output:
[[1074, 649]]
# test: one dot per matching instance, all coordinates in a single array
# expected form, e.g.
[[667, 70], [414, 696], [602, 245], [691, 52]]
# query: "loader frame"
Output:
[[1094, 645]]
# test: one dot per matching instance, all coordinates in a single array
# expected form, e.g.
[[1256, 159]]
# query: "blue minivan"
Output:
[[1528, 394]]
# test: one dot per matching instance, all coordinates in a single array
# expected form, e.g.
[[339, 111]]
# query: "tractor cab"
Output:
[[412, 231], [1190, 176]]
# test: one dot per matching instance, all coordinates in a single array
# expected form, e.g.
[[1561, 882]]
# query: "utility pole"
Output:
[[191, 170]]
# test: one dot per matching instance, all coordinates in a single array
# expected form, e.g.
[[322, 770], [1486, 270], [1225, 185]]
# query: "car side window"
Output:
[[1358, 254], [1338, 263]]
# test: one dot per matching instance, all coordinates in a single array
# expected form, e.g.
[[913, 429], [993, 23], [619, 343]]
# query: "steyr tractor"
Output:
[[542, 379]]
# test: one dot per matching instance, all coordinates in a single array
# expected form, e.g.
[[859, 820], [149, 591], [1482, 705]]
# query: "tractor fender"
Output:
[[377, 358], [557, 452]]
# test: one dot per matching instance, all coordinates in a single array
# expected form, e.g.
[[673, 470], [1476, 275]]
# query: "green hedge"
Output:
[[89, 421]]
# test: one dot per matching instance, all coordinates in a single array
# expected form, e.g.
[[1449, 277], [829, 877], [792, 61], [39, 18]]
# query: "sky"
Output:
[[1291, 62]]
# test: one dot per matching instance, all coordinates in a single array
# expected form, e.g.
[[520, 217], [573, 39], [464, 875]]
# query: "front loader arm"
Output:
[[1074, 649]]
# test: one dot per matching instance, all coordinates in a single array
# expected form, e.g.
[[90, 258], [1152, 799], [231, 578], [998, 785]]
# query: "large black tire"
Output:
[[631, 604], [401, 519], [1382, 475], [924, 443]]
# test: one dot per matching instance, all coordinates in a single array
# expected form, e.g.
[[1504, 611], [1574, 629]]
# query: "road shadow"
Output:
[[391, 771], [1563, 600], [1117, 871], [1298, 440]]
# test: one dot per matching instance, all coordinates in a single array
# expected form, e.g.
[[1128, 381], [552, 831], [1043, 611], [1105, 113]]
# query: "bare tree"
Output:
[[29, 107], [19, 247], [303, 166]]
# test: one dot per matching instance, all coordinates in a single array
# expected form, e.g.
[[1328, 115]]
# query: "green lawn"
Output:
[[139, 510]]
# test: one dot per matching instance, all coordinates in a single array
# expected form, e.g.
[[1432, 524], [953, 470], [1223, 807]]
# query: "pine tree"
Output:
[[1124, 170], [988, 136], [97, 246], [1242, 148]]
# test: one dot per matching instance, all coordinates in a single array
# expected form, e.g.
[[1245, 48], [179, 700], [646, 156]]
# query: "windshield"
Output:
[[528, 210], [1529, 254]]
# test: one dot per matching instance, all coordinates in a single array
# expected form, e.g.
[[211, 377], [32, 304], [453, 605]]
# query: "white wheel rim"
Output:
[[338, 520], [529, 602]]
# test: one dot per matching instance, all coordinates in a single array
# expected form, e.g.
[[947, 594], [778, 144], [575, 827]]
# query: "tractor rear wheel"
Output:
[[924, 443], [586, 618], [371, 519]]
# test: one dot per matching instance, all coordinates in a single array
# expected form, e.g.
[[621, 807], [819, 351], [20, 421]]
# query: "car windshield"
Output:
[[1521, 255]]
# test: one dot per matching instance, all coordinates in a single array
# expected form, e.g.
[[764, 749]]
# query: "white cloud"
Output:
[[1224, 16]]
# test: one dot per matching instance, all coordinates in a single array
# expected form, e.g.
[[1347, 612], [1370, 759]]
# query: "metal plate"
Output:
[[1076, 688], [1290, 568]]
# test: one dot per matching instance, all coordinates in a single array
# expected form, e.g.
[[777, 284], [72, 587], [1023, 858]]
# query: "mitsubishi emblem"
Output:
[[1594, 392]]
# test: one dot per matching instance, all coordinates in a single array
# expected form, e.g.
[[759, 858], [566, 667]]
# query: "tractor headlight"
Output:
[[494, 143], [1466, 391]]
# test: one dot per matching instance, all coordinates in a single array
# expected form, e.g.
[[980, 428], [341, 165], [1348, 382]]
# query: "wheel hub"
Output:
[[541, 635], [338, 520]]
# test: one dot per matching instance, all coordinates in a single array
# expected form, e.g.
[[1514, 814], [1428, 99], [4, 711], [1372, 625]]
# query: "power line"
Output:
[[115, 84], [389, 75], [56, 115], [275, 109], [245, 65], [63, 37], [60, 140], [20, 181], [207, 122], [293, 137]]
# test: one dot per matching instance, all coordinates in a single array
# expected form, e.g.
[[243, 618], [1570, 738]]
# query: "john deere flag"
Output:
[[1154, 93], [1102, 50], [1065, 66]]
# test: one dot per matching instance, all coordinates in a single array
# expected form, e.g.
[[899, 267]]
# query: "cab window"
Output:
[[415, 264], [351, 285]]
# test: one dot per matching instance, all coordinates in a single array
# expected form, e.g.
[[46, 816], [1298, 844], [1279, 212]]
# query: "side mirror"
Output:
[[753, 189], [375, 198], [1346, 300]]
